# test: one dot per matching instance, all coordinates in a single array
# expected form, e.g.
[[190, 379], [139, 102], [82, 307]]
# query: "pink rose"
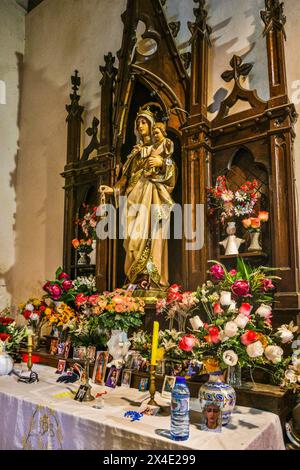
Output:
[[54, 290], [93, 299], [267, 284], [245, 309], [187, 342], [214, 335], [232, 272], [80, 299], [218, 309], [248, 337], [63, 276], [217, 271], [240, 288], [67, 284]]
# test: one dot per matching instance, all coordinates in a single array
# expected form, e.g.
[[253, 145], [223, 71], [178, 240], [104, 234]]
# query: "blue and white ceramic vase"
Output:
[[218, 392]]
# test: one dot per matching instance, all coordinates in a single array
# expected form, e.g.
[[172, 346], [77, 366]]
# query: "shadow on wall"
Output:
[[37, 184], [253, 48]]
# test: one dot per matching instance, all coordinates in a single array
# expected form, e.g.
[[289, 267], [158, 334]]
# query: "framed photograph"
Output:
[[137, 361], [113, 377], [160, 367], [91, 353], [100, 367], [211, 417], [126, 378], [129, 360], [145, 365], [67, 349], [61, 365], [168, 386], [60, 348], [53, 346], [143, 385], [81, 393]]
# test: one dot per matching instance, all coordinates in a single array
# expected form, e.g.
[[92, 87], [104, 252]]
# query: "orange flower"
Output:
[[211, 364], [246, 223], [262, 339], [255, 222], [263, 216], [75, 243]]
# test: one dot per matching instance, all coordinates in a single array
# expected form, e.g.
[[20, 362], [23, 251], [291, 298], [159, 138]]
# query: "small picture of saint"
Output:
[[143, 385], [211, 418], [61, 365], [100, 367], [113, 377], [126, 378]]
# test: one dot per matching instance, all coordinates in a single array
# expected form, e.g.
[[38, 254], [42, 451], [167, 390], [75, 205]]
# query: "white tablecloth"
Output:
[[44, 416]]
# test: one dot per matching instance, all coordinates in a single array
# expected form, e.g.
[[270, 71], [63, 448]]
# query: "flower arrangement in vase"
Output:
[[11, 335], [33, 310], [253, 226], [229, 206], [84, 247]]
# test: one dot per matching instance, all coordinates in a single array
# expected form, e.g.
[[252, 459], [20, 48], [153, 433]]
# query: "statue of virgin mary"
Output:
[[148, 179]]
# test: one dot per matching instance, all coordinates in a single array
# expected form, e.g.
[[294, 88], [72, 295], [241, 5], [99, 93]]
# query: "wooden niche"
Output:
[[249, 138]]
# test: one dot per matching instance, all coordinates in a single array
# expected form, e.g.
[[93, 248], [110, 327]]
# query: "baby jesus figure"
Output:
[[162, 148]]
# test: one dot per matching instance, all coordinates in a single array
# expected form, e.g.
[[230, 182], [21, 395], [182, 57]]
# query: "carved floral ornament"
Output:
[[273, 17]]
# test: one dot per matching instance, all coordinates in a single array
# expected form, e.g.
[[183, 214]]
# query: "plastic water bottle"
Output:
[[180, 407]]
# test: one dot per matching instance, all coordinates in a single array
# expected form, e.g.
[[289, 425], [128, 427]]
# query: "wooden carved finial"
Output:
[[94, 143], [200, 25], [74, 109], [238, 70], [273, 17], [108, 70], [186, 59]]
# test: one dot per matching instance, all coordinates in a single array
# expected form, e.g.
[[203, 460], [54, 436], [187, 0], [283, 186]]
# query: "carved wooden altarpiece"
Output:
[[256, 142]]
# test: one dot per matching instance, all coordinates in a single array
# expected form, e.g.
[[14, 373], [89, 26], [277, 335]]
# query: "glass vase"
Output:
[[234, 376]]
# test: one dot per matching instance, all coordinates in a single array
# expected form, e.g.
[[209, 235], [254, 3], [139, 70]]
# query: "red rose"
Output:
[[4, 336], [218, 309], [217, 271], [67, 284], [248, 337], [54, 290], [267, 284], [187, 342], [6, 320], [174, 297], [27, 314], [214, 334], [174, 288], [63, 276], [42, 308], [46, 286], [245, 309], [80, 299], [240, 288], [93, 299]]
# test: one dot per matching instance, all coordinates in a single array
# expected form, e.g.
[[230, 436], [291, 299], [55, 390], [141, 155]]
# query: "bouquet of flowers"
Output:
[[62, 316], [253, 224], [61, 289], [89, 221], [238, 306], [228, 204], [85, 285], [34, 311], [177, 306], [10, 335], [84, 246]]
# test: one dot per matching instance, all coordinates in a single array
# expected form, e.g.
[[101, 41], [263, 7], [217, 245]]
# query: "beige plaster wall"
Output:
[[61, 35], [12, 41]]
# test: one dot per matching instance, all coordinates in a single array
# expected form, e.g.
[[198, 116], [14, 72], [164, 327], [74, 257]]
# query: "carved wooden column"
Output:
[[282, 116], [105, 248], [74, 120], [197, 154]]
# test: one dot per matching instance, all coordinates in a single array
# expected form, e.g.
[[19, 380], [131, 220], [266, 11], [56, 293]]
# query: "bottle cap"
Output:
[[180, 380]]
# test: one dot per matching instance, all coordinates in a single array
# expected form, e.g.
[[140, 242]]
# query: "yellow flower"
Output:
[[262, 339], [211, 364], [36, 302]]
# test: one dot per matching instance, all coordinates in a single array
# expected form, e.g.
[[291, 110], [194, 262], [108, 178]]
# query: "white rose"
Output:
[[264, 311], [241, 321], [34, 317], [230, 329], [274, 354], [255, 349], [225, 298], [223, 337], [232, 306], [29, 307], [196, 323], [285, 335], [230, 357], [291, 376]]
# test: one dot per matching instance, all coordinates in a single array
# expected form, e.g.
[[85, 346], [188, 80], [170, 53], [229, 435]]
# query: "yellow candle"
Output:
[[29, 338], [154, 343]]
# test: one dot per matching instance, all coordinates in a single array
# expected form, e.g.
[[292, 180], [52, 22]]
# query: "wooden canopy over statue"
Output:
[[152, 77]]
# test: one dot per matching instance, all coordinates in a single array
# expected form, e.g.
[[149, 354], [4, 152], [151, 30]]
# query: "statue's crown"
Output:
[[145, 110]]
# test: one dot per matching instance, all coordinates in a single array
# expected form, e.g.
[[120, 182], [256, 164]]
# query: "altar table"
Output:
[[45, 416]]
